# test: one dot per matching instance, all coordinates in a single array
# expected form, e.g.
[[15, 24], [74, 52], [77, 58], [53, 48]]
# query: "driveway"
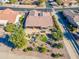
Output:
[[4, 55]]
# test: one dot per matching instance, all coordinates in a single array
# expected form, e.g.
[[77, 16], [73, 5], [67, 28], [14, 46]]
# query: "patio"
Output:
[[36, 31]]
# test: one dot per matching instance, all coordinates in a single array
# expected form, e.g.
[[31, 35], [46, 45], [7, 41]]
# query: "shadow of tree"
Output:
[[5, 40], [76, 46]]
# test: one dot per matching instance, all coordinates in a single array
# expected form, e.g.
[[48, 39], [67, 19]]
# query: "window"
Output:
[[40, 14]]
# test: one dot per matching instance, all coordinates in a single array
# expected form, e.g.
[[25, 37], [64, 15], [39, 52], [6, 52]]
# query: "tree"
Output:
[[12, 1], [18, 38], [9, 27], [41, 1], [59, 2]]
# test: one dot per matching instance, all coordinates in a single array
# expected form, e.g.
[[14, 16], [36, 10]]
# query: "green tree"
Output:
[[12, 1], [9, 27], [41, 1], [18, 38], [59, 2]]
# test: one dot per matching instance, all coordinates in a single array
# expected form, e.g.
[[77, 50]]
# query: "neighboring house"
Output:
[[38, 20], [72, 16], [9, 16], [69, 2], [24, 1], [4, 1]]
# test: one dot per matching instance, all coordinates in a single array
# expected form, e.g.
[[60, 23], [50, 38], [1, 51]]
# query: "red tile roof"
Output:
[[9, 15]]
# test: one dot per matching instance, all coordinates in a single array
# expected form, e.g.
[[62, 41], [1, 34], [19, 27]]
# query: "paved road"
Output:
[[43, 9]]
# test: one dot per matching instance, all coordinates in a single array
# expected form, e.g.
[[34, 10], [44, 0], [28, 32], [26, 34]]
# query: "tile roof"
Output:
[[9, 15], [69, 1], [72, 14], [44, 20]]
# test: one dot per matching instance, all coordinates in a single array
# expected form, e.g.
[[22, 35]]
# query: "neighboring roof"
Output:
[[69, 13], [9, 15], [69, 1], [34, 20], [72, 14]]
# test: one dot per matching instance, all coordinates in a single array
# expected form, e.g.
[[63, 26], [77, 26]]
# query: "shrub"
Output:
[[29, 48], [43, 38], [59, 45], [25, 50], [59, 2], [57, 55], [42, 49], [9, 27]]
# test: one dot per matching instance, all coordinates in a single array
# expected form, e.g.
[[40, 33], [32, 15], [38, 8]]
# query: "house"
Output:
[[26, 1], [72, 16], [4, 1], [9, 16], [69, 2], [38, 20]]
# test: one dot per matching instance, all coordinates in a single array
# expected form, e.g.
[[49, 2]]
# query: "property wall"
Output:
[[3, 22], [4, 1], [17, 19]]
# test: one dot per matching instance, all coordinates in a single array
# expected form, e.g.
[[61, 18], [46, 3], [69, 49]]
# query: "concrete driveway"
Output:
[[4, 55]]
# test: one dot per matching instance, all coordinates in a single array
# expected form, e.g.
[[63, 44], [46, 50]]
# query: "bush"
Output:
[[71, 27], [57, 55], [59, 45], [9, 27], [29, 48], [59, 2], [57, 35], [25, 50], [22, 20], [42, 49], [43, 38]]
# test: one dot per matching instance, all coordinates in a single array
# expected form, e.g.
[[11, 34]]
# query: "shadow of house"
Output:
[[5, 40]]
